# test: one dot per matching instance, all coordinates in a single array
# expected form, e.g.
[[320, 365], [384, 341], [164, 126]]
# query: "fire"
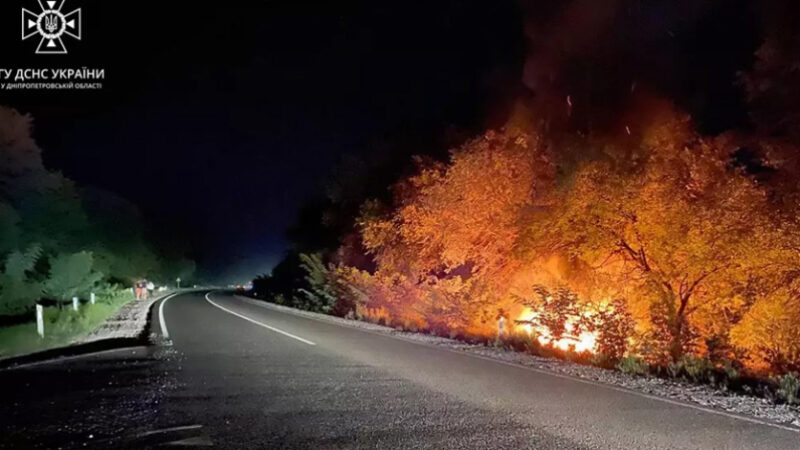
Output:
[[583, 341]]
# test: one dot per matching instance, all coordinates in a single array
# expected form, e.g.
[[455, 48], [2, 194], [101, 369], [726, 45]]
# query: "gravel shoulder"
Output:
[[676, 390], [130, 322], [125, 328]]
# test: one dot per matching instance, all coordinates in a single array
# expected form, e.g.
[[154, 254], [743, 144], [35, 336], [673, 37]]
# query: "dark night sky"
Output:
[[220, 119]]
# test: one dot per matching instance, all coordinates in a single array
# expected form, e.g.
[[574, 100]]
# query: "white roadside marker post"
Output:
[[501, 328], [92, 298], [40, 320], [74, 303]]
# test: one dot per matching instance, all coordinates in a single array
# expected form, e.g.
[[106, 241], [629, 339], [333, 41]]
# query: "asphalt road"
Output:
[[233, 374]]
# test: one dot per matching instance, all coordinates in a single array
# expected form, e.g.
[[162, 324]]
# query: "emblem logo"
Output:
[[52, 25]]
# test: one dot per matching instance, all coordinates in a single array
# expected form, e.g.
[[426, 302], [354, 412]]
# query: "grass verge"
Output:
[[61, 326]]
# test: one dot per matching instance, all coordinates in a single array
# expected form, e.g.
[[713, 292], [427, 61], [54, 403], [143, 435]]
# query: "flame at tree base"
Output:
[[570, 340]]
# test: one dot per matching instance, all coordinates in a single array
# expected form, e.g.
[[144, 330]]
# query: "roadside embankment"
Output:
[[94, 327]]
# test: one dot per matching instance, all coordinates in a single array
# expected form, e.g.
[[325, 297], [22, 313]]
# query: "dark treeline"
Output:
[[59, 240]]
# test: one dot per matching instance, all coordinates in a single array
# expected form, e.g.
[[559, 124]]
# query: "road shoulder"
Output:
[[128, 327]]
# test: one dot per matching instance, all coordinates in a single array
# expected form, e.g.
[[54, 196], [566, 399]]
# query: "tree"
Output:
[[57, 239], [681, 244], [453, 233], [19, 289], [71, 275], [320, 295], [769, 334], [674, 221]]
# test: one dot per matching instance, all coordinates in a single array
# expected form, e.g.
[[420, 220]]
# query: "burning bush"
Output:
[[559, 318]]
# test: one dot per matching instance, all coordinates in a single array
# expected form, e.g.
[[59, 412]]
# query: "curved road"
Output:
[[230, 373]]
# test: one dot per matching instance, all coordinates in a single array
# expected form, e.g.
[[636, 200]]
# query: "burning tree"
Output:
[[679, 227], [453, 232], [667, 244]]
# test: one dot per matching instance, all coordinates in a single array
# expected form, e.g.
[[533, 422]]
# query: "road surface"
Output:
[[233, 374]]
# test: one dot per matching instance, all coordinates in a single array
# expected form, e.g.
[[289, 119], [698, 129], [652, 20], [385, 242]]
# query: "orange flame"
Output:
[[584, 341]]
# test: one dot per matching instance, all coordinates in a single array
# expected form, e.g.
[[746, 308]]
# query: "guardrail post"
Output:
[[74, 303], [40, 320], [92, 298]]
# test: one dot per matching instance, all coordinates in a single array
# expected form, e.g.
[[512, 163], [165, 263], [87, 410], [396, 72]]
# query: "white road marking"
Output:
[[543, 371], [621, 389], [161, 320], [169, 430], [305, 341]]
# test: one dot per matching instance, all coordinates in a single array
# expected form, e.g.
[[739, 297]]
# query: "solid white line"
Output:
[[305, 341], [169, 430], [622, 389], [161, 320]]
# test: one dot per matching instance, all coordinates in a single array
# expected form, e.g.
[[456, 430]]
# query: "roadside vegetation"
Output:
[[63, 326], [59, 241], [637, 243]]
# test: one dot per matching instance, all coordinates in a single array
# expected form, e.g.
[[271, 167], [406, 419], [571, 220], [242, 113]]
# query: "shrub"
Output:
[[522, 342], [729, 374], [693, 368], [111, 294], [633, 365], [604, 361], [789, 388], [614, 327], [561, 311], [731, 371]]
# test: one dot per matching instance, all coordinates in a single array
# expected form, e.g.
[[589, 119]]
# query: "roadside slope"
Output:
[[127, 327]]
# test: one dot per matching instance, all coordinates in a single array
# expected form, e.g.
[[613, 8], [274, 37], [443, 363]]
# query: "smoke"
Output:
[[588, 59]]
